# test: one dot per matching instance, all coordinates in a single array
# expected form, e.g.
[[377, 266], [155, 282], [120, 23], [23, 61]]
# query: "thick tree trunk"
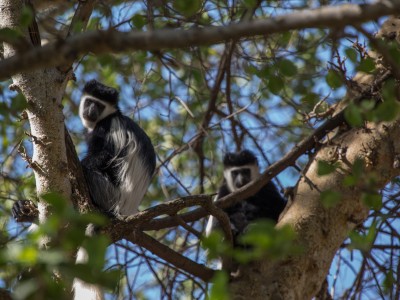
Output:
[[43, 90], [320, 230]]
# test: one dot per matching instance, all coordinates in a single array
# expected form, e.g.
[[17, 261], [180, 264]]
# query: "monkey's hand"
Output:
[[25, 211]]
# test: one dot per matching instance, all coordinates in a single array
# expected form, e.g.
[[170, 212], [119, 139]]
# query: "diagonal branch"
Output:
[[99, 42], [141, 239]]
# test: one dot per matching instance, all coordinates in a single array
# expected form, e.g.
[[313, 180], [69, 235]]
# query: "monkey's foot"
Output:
[[25, 211]]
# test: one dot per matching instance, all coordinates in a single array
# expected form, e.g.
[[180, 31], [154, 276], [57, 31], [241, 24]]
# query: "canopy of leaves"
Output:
[[262, 93]]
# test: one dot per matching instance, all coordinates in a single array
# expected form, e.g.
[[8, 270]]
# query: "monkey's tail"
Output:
[[83, 290]]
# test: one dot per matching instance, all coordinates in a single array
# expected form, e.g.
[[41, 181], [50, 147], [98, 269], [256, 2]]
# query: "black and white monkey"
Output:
[[121, 160], [118, 167], [239, 169], [119, 164]]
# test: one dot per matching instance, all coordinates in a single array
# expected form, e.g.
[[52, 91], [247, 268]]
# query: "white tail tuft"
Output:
[[81, 289]]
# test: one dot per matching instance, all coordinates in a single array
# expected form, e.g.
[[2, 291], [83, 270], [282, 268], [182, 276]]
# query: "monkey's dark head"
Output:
[[98, 101], [239, 169]]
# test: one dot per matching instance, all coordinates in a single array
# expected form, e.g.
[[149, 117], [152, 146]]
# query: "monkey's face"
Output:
[[92, 110], [237, 177], [241, 177]]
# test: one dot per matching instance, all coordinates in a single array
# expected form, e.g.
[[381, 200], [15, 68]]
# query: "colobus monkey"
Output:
[[239, 169], [118, 166], [121, 160]]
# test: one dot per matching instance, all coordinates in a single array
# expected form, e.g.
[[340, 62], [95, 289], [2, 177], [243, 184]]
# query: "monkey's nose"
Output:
[[91, 114], [241, 182]]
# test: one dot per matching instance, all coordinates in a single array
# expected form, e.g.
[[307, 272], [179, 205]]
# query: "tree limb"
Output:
[[99, 42], [141, 239]]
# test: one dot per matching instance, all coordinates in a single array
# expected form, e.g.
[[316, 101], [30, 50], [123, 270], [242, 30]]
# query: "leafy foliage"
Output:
[[274, 91]]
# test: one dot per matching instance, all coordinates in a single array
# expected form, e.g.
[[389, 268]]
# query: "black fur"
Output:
[[103, 163], [101, 151], [101, 91], [267, 203], [238, 159]]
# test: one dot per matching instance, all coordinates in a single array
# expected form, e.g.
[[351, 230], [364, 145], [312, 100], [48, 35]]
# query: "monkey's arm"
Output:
[[266, 203]]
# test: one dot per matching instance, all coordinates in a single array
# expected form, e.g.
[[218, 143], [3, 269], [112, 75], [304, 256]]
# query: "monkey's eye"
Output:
[[246, 172], [235, 173], [89, 101]]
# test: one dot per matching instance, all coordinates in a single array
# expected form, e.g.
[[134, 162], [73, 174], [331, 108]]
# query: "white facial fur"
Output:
[[108, 110], [254, 170]]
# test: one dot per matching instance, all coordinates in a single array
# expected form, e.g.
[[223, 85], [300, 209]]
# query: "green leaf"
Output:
[[349, 180], [394, 51], [138, 21], [219, 289], [352, 54], [334, 79], [96, 248], [388, 282], [266, 241], [215, 244], [368, 104], [330, 198], [367, 65], [353, 115], [52, 257], [275, 84], [358, 168], [9, 34], [26, 17], [372, 200], [58, 203], [18, 104], [363, 242], [250, 3], [287, 68], [325, 168], [387, 111], [187, 8]]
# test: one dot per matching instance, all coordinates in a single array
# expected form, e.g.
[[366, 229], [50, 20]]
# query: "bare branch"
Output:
[[169, 255]]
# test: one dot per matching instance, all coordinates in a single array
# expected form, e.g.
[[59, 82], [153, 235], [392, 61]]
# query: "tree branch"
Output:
[[289, 159], [143, 240], [99, 42]]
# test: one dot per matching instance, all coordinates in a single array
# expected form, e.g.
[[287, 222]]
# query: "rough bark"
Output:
[[320, 230], [43, 90]]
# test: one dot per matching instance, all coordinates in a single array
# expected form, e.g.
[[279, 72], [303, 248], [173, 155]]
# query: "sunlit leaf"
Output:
[[219, 289]]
